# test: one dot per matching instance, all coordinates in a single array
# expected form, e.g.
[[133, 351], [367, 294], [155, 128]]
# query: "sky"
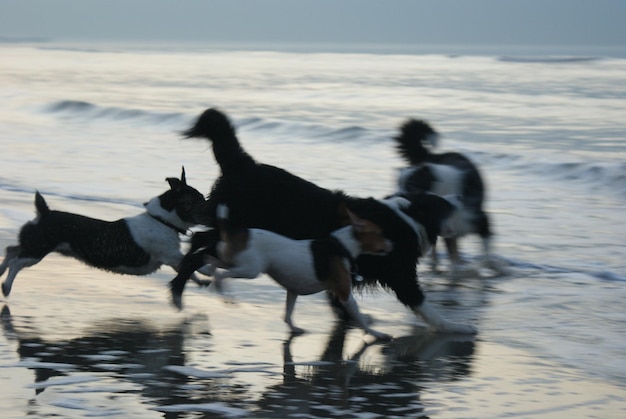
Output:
[[459, 22]]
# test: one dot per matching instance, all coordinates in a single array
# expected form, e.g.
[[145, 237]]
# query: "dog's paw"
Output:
[[177, 301], [6, 290]]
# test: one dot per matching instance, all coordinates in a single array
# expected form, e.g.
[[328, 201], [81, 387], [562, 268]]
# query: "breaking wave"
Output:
[[81, 109], [548, 59]]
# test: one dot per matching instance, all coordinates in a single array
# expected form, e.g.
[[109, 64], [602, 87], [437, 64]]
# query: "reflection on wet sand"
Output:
[[151, 362], [126, 349], [336, 386]]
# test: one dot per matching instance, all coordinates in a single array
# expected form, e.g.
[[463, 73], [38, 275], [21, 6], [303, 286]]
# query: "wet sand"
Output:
[[78, 342]]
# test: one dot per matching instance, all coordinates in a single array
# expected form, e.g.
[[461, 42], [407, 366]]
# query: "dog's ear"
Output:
[[361, 225], [175, 183], [342, 213], [183, 179]]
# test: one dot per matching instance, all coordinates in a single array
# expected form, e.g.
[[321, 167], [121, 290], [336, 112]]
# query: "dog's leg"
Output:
[[218, 279], [16, 265], [490, 262], [452, 245], [10, 253], [200, 282], [410, 294], [438, 323], [458, 269], [352, 308], [434, 258], [289, 306], [340, 283], [246, 268], [190, 263], [175, 263]]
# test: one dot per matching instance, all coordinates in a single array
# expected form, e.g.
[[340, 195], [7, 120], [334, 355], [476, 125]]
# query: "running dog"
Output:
[[269, 198], [449, 173], [302, 267], [136, 245]]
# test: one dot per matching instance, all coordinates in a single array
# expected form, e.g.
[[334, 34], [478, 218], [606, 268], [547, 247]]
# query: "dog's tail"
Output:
[[40, 204], [415, 139], [216, 127]]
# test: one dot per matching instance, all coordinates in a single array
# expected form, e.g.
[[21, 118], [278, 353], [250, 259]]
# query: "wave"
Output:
[[602, 275], [611, 174], [307, 132], [274, 127], [548, 59], [6, 185], [77, 108], [591, 173]]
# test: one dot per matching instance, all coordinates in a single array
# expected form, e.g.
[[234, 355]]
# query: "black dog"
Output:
[[266, 197], [136, 245], [448, 173]]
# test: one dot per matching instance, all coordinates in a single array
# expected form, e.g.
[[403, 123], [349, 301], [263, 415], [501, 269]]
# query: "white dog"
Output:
[[302, 267]]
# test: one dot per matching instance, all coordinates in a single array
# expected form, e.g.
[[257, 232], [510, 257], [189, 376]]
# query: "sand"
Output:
[[79, 342]]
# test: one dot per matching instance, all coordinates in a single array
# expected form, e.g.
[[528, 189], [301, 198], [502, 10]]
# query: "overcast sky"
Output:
[[552, 22]]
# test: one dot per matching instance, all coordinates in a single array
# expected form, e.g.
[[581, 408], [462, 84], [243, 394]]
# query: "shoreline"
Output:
[[101, 335]]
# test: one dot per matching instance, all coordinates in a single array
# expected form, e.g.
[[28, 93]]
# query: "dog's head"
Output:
[[369, 234], [178, 203], [212, 124]]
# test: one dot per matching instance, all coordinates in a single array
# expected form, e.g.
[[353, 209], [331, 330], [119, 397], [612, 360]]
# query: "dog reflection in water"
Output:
[[389, 387]]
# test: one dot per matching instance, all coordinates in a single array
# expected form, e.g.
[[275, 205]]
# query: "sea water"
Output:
[[96, 129]]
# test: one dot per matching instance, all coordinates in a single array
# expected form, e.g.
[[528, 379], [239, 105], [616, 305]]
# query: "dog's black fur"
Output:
[[413, 143], [266, 197], [136, 245]]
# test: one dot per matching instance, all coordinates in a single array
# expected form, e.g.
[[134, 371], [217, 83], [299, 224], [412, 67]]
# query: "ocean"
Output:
[[96, 129]]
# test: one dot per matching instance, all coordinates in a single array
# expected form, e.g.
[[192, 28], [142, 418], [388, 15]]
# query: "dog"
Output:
[[269, 198], [302, 267], [136, 245], [449, 173]]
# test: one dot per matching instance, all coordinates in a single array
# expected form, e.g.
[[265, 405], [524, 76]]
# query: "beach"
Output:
[[96, 129], [82, 343]]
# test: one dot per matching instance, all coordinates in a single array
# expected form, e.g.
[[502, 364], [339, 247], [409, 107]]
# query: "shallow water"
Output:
[[95, 129]]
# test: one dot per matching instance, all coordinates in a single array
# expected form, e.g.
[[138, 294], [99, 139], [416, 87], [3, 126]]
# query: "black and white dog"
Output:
[[266, 197], [136, 245], [449, 173], [302, 267]]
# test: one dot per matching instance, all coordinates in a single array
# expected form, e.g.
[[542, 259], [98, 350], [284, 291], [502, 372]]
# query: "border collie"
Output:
[[136, 245], [447, 173], [302, 267], [269, 198]]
